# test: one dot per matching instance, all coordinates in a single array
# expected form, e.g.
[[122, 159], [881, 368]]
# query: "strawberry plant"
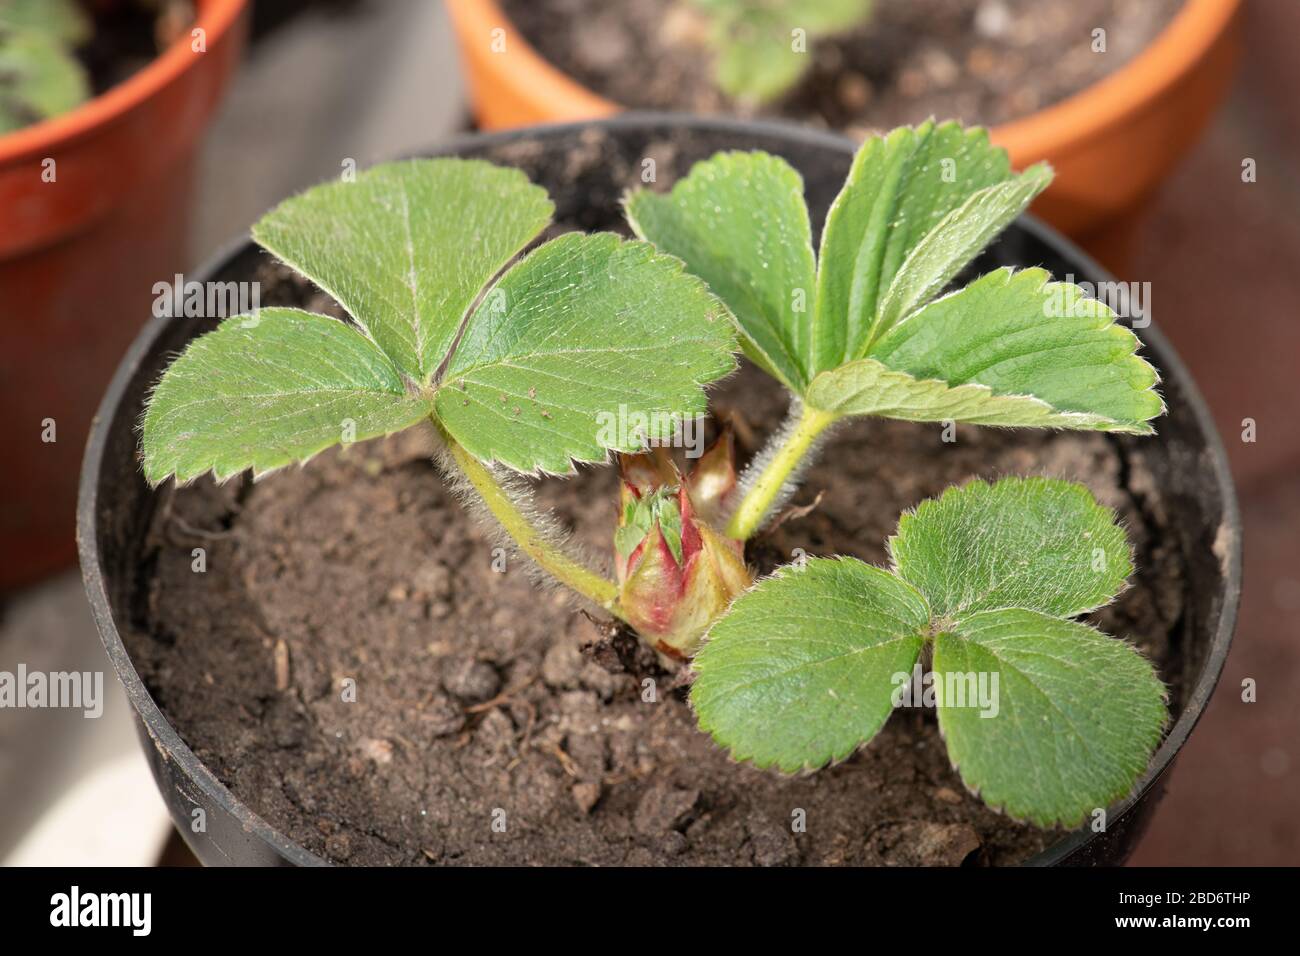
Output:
[[760, 46], [517, 358], [39, 75]]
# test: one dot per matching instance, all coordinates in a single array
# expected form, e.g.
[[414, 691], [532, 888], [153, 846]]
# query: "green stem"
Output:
[[753, 508], [533, 542]]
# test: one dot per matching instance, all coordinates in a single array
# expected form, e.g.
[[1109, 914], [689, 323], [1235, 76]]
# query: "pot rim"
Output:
[[168, 741], [1171, 54], [215, 17]]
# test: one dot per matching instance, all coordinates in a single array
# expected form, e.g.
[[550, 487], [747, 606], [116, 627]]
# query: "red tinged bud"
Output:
[[676, 573]]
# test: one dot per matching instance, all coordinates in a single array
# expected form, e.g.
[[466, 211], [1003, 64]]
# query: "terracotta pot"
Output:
[[79, 256], [1110, 143]]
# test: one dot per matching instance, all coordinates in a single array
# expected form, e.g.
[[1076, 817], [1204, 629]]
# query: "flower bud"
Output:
[[676, 573]]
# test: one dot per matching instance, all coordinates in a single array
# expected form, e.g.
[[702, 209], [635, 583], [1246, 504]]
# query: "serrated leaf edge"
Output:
[[917, 512], [718, 310], [732, 158], [258, 236], [807, 767], [258, 474], [1047, 822]]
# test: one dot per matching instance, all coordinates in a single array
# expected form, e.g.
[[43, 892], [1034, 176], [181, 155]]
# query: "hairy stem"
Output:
[[766, 488], [531, 540]]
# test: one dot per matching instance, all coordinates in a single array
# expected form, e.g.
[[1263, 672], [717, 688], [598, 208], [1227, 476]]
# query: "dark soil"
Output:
[[979, 61], [475, 701], [129, 35]]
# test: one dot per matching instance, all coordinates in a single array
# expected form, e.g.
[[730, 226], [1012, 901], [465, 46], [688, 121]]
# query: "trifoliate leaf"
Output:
[[1046, 718], [588, 345], [919, 204], [267, 390], [902, 188], [801, 670], [1075, 719], [583, 338], [407, 247], [1010, 349], [739, 222], [1036, 543]]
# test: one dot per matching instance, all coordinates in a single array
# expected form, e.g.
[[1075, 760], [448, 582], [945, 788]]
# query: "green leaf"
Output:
[[739, 222], [63, 21], [868, 387], [637, 521], [1078, 713], [1010, 349], [755, 59], [670, 525], [1036, 543], [941, 254], [1046, 718], [815, 16], [627, 538], [826, 16], [39, 80], [586, 332], [754, 43], [1019, 334], [800, 672], [901, 189], [264, 391], [408, 247], [642, 515], [588, 345]]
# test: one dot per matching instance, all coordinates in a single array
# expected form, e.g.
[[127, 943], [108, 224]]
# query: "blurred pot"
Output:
[[94, 209], [1110, 143]]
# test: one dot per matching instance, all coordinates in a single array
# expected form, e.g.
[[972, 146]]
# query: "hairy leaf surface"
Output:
[[800, 671], [266, 391], [739, 222], [408, 247], [1078, 714], [1035, 543]]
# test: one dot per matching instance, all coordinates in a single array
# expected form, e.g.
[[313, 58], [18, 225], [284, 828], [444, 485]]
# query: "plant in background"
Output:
[[518, 362], [39, 75], [760, 45]]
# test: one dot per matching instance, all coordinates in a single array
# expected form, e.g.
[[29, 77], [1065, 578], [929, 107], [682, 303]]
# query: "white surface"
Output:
[[112, 817], [73, 790], [376, 82]]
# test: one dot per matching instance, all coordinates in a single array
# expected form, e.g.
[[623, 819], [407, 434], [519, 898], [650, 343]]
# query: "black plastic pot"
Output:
[[116, 506]]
